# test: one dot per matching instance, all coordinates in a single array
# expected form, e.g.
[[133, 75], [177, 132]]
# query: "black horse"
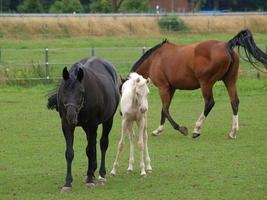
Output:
[[87, 96]]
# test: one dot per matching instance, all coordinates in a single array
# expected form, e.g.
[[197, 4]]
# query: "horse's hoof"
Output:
[[90, 185], [156, 133], [129, 170], [183, 130], [102, 181], [195, 135], [143, 174], [112, 173], [65, 189], [149, 171], [231, 137]]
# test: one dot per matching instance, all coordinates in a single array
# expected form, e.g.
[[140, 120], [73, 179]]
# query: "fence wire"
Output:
[[42, 64]]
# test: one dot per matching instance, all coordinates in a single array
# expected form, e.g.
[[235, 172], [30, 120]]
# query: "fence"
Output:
[[47, 64]]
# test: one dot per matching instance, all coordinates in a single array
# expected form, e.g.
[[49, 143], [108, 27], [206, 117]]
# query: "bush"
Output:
[[137, 6], [66, 6], [171, 23], [101, 6], [31, 6]]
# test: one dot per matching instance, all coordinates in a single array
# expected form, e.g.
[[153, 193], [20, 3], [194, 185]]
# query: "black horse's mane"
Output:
[[147, 54]]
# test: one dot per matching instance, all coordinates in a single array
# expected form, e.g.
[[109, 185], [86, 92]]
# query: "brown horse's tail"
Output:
[[245, 39]]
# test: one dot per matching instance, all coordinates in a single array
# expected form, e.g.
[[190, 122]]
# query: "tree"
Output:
[[9, 5], [102, 6], [30, 6], [116, 4], [47, 4], [135, 6], [85, 4], [107, 6], [66, 6]]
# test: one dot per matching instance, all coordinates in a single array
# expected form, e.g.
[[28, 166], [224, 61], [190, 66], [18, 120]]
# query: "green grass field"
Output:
[[212, 167], [32, 161]]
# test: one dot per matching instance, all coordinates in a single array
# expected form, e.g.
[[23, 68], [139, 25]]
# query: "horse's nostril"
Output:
[[143, 110], [72, 115]]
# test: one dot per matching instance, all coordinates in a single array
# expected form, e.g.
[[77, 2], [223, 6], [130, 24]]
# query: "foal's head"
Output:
[[140, 88], [72, 95]]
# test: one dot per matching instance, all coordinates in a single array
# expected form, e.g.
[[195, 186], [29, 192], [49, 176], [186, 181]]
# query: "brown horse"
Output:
[[193, 66]]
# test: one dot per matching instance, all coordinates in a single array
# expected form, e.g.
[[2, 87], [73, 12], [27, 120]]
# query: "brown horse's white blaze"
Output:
[[193, 66], [134, 106]]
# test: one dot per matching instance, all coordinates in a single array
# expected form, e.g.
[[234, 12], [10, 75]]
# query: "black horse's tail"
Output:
[[52, 102], [245, 39]]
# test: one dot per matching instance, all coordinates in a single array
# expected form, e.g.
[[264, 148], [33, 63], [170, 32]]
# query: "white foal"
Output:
[[134, 107]]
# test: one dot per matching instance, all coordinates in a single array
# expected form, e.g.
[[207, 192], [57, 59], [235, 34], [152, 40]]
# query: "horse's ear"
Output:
[[148, 81], [138, 80], [65, 74], [80, 75]]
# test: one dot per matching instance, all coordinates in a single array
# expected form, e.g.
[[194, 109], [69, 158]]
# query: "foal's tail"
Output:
[[245, 39], [52, 102]]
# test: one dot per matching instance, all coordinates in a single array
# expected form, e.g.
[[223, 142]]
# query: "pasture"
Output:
[[212, 167], [32, 162]]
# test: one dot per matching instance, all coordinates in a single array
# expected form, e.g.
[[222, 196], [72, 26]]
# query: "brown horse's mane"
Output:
[[147, 54]]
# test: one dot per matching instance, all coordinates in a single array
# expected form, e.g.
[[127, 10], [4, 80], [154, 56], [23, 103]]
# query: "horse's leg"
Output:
[[131, 137], [148, 160], [161, 126], [166, 95], [231, 88], [69, 154], [104, 141], [124, 125], [91, 133], [163, 116], [209, 103], [141, 127]]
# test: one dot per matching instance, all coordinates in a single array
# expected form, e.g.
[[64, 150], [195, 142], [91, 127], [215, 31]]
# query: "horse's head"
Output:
[[73, 95], [141, 89]]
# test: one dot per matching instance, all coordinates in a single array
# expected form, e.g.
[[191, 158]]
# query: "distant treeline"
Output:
[[124, 6]]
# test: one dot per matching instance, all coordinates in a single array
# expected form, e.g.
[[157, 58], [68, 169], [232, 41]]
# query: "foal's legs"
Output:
[[91, 133], [69, 153], [209, 103], [124, 126], [141, 127], [131, 137], [148, 160], [104, 145], [231, 88], [166, 94]]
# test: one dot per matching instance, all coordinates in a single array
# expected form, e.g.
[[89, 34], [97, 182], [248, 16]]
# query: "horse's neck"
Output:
[[144, 68], [128, 97]]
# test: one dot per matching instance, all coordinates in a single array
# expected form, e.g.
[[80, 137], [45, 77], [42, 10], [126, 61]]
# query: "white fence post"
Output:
[[46, 65]]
